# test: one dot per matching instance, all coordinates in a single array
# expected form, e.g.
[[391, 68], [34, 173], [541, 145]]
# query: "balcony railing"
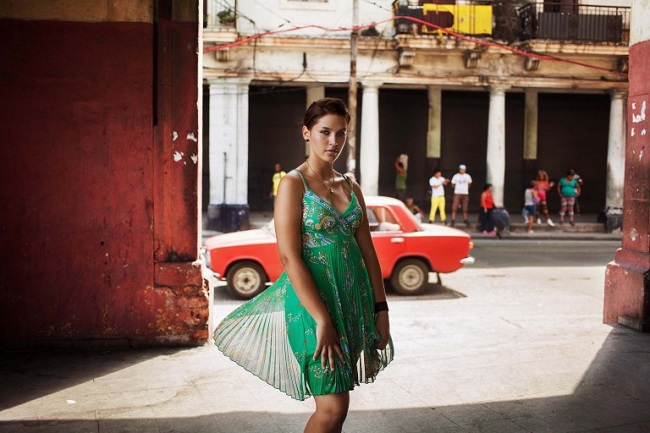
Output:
[[574, 23], [501, 20], [219, 13]]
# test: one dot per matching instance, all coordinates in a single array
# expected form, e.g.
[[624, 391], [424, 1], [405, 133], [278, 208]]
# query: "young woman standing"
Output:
[[322, 328]]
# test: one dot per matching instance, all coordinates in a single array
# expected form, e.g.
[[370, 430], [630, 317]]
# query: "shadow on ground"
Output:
[[613, 396]]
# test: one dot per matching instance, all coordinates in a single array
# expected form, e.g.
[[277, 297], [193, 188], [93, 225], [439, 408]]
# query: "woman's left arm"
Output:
[[364, 240]]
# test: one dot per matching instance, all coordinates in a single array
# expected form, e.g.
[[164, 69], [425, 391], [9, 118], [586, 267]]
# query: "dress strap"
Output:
[[304, 182], [348, 181]]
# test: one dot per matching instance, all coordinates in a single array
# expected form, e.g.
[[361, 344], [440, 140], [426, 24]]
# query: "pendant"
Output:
[[331, 190]]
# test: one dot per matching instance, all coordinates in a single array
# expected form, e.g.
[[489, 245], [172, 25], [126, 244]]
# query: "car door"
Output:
[[387, 236]]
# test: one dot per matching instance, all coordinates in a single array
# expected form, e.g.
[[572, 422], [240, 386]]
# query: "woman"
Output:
[[568, 188], [323, 326], [542, 185], [486, 218]]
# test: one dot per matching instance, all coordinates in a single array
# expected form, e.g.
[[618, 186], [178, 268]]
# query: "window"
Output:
[[381, 219]]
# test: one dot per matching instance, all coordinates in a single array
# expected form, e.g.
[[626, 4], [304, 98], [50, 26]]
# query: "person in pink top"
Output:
[[542, 185]]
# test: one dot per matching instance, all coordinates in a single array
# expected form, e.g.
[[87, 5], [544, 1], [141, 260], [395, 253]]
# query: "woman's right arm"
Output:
[[288, 222]]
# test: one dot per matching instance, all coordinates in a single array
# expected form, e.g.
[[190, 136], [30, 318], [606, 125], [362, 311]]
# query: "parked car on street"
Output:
[[408, 251]]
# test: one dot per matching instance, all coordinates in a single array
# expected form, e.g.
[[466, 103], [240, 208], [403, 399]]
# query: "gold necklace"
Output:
[[329, 187]]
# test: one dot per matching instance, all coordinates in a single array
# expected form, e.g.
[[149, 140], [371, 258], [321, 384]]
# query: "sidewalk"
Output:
[[586, 228], [488, 353]]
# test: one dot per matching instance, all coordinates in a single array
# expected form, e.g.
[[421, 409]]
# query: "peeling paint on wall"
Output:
[[178, 156], [640, 117], [192, 137]]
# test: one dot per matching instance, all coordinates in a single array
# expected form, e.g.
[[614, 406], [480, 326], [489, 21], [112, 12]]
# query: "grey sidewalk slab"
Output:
[[482, 354]]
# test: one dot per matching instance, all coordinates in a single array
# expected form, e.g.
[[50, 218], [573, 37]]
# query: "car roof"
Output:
[[380, 200]]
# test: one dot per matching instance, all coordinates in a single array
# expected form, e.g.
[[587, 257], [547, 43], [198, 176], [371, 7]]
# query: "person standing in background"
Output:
[[542, 186], [486, 218], [279, 174], [401, 167], [437, 183], [568, 188], [461, 182]]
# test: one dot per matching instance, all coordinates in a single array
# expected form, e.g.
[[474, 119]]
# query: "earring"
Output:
[[306, 140]]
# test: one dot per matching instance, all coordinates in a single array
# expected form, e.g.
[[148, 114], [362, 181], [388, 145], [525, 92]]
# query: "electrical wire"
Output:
[[459, 36]]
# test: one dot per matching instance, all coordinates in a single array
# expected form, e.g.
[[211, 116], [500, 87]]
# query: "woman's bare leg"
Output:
[[331, 411]]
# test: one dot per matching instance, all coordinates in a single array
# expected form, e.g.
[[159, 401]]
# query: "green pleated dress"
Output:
[[274, 337]]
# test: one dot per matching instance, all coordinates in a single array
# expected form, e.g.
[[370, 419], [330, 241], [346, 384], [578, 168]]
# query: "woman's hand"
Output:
[[383, 327], [327, 344]]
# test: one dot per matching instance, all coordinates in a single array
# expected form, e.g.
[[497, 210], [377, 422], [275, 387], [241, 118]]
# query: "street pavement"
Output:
[[499, 348]]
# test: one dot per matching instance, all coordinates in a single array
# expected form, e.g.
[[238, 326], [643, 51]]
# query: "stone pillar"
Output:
[[531, 114], [369, 152], [314, 93], [228, 208], [616, 151], [434, 127], [496, 143], [627, 279]]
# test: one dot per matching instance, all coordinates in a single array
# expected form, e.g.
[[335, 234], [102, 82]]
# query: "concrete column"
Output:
[[369, 152], [496, 143], [627, 281], [314, 93], [616, 151], [434, 127], [228, 208], [531, 114]]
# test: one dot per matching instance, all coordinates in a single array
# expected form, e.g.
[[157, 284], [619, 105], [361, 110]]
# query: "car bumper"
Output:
[[469, 260]]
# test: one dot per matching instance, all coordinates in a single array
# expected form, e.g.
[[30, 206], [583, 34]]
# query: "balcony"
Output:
[[574, 23], [501, 20]]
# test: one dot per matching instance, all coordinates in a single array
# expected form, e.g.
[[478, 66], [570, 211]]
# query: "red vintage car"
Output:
[[408, 251]]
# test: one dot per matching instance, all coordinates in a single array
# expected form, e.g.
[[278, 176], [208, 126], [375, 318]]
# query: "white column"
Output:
[[369, 152], [616, 151], [496, 143], [434, 127], [229, 141]]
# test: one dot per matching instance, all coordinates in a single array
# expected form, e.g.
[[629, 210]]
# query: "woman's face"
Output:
[[327, 137]]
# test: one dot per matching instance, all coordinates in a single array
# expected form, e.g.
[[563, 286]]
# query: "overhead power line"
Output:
[[477, 41]]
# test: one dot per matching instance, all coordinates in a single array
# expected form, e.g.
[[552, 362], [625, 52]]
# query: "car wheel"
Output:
[[410, 277], [246, 279]]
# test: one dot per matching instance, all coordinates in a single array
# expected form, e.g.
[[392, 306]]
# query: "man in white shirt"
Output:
[[461, 182]]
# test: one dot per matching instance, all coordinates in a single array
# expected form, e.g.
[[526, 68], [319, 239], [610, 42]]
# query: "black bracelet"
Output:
[[381, 306]]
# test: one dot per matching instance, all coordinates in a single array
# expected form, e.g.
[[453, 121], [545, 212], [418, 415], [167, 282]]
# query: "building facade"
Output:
[[506, 100]]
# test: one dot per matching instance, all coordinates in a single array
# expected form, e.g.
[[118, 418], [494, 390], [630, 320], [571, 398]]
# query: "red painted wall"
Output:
[[627, 282], [98, 230]]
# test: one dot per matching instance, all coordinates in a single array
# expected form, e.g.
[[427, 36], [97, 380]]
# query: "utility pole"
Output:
[[352, 92]]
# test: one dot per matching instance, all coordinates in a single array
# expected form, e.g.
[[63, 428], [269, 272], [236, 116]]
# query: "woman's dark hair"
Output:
[[323, 107], [487, 186]]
